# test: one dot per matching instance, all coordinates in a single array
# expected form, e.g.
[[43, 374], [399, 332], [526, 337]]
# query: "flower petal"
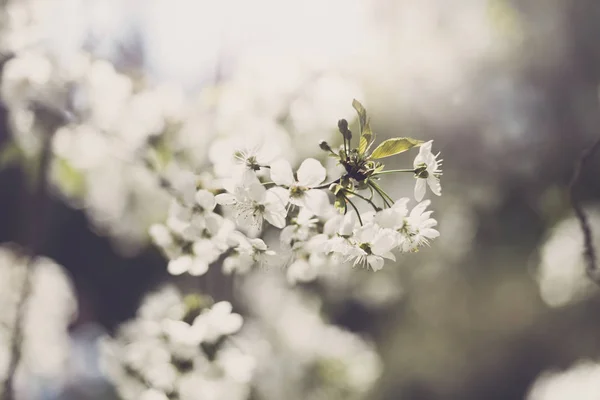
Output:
[[315, 200], [348, 223], [256, 191], [311, 173], [198, 267], [383, 243], [205, 199], [179, 265], [301, 271], [424, 154], [276, 216], [281, 173], [375, 262], [278, 194], [420, 187], [434, 185], [225, 199]]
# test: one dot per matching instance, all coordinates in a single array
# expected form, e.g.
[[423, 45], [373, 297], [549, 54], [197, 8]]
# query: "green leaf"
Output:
[[366, 140], [394, 146], [362, 113], [367, 137]]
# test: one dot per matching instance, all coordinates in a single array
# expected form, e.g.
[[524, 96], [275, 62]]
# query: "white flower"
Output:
[[186, 263], [302, 190], [393, 217], [218, 321], [371, 245], [301, 270], [184, 183], [247, 253], [236, 364], [300, 228], [205, 199], [258, 250], [153, 394], [238, 262], [182, 333], [418, 229], [253, 203], [242, 155], [161, 235], [429, 171]]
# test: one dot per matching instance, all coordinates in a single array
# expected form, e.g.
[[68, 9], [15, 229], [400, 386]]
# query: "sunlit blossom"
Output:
[[427, 171]]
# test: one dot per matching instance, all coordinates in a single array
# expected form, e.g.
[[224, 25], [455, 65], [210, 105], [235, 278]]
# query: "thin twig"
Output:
[[34, 239], [589, 252]]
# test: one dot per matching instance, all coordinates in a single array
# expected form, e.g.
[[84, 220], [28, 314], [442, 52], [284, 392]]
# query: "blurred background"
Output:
[[498, 307]]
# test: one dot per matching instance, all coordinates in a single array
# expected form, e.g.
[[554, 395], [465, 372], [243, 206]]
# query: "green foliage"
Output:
[[367, 137], [394, 146]]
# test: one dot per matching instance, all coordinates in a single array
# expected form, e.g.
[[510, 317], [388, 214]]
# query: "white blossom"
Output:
[[371, 245], [429, 172], [302, 190], [254, 203], [418, 229]]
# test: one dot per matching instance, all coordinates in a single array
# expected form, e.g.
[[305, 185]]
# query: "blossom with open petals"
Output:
[[302, 188], [427, 170], [371, 245], [254, 203]]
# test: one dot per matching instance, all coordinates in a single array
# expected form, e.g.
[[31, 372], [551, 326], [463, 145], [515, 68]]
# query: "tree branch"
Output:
[[589, 252], [33, 239]]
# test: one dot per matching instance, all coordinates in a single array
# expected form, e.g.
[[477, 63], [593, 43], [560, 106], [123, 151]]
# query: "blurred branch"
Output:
[[589, 251], [34, 235]]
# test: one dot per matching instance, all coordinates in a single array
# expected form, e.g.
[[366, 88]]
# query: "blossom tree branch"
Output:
[[589, 251]]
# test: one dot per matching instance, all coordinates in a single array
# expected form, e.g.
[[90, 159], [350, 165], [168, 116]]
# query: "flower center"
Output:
[[297, 191], [366, 247], [259, 208], [421, 171]]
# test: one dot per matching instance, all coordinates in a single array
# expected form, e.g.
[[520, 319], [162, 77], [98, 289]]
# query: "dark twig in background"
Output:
[[50, 119], [588, 251]]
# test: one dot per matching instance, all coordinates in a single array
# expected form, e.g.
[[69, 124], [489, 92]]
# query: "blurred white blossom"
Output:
[[561, 273], [49, 308], [581, 381], [178, 346]]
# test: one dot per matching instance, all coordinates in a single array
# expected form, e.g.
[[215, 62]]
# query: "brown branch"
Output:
[[589, 252]]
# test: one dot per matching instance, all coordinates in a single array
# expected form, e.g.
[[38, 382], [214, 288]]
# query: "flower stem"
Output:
[[364, 198], [393, 171], [384, 195], [355, 209], [326, 185]]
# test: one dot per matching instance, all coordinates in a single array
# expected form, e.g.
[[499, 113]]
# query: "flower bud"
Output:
[[343, 127], [325, 146]]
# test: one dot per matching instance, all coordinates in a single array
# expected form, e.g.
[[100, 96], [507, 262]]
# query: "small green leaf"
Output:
[[394, 146], [366, 135], [362, 113]]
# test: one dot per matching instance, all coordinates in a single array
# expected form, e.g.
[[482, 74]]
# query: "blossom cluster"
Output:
[[214, 218], [178, 347], [300, 355], [46, 313]]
